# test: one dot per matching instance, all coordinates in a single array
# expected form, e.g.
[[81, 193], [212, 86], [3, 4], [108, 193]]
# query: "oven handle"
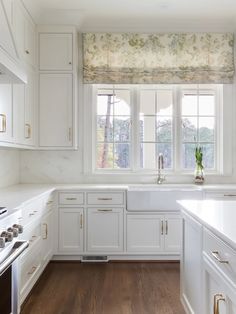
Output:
[[17, 249]]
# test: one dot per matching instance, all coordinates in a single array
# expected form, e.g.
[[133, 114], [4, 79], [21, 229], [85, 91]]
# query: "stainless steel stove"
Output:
[[10, 250]]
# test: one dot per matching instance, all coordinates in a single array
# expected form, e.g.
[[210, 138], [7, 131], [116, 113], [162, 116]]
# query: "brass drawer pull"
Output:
[[229, 195], [27, 52], [71, 198], [217, 298], [49, 202], [104, 198], [167, 227], [46, 231], [33, 269], [162, 227], [81, 221], [216, 256], [28, 130], [105, 210], [4, 123]]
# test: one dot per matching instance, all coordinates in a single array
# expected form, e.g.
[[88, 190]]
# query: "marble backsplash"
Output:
[[9, 167]]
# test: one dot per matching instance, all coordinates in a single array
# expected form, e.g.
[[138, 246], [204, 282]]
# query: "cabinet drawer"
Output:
[[224, 195], [113, 198], [30, 266], [221, 254], [31, 211], [71, 198]]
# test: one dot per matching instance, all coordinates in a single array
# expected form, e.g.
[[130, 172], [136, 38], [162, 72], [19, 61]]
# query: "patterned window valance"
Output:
[[158, 58]]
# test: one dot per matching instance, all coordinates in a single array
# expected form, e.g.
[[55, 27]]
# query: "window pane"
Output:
[[164, 129], [206, 129], [148, 155], [208, 155], [166, 150], [104, 129], [105, 102], [121, 156], [164, 102], [189, 105], [206, 105], [147, 129], [188, 156], [122, 102], [189, 129], [105, 155], [121, 129], [147, 102]]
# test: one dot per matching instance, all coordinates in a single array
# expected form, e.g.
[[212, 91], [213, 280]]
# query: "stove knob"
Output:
[[19, 227], [14, 231], [2, 242], [7, 235]]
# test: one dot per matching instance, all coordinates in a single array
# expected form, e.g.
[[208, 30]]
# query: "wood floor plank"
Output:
[[106, 288]]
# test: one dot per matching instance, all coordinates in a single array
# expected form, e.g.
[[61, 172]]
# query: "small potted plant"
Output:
[[199, 173]]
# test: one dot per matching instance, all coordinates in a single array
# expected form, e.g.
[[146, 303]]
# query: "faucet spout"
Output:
[[160, 177]]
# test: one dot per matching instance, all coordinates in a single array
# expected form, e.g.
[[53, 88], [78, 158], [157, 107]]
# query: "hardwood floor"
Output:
[[109, 288]]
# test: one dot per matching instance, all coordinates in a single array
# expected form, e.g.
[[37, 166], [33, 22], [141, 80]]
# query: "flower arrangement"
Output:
[[199, 173]]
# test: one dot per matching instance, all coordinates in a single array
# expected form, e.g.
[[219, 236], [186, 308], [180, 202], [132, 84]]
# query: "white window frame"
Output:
[[223, 122]]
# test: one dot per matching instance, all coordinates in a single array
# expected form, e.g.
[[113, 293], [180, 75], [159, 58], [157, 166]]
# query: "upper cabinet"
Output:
[[6, 108], [25, 34], [55, 52], [57, 88]]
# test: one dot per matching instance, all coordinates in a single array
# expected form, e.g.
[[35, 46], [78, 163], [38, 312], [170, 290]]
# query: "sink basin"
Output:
[[160, 197]]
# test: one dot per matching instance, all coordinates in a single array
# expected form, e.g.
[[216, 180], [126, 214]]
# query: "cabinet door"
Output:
[[6, 112], [29, 117], [173, 231], [55, 52], [145, 233], [19, 28], [29, 42], [71, 230], [47, 237], [105, 230], [55, 110]]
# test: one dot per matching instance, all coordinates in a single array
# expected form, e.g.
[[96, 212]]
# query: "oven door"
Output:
[[9, 277]]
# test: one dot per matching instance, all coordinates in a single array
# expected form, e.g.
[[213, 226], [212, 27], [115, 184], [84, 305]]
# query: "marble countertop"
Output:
[[219, 216], [15, 196]]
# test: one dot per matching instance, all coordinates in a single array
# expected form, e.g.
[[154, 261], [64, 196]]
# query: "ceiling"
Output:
[[140, 15]]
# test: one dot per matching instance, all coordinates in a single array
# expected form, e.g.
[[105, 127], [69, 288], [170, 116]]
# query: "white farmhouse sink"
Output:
[[160, 197]]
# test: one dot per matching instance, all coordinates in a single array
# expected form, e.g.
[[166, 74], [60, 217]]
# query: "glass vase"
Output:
[[199, 175]]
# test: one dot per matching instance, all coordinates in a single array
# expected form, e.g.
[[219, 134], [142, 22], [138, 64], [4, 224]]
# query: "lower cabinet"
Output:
[[71, 225], [219, 297], [47, 237], [105, 230], [154, 233]]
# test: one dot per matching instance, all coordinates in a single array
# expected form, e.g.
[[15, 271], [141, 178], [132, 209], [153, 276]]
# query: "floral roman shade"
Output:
[[158, 58]]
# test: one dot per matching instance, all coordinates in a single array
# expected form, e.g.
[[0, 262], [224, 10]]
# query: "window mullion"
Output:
[[135, 101], [177, 130]]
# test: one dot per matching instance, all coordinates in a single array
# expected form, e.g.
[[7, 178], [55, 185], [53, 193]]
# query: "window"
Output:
[[134, 123], [113, 128]]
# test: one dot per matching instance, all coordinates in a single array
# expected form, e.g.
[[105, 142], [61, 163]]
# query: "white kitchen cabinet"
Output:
[[24, 112], [6, 113], [24, 33], [105, 230], [47, 237], [144, 233], [55, 51], [29, 42], [173, 232], [29, 110], [154, 233], [191, 266], [71, 226], [218, 294], [55, 110]]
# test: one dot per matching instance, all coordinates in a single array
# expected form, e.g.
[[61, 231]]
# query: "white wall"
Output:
[[9, 167]]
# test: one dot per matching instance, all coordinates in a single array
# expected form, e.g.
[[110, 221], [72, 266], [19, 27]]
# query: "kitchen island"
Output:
[[208, 259]]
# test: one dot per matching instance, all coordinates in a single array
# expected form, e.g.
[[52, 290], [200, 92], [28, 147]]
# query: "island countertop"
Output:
[[219, 216]]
